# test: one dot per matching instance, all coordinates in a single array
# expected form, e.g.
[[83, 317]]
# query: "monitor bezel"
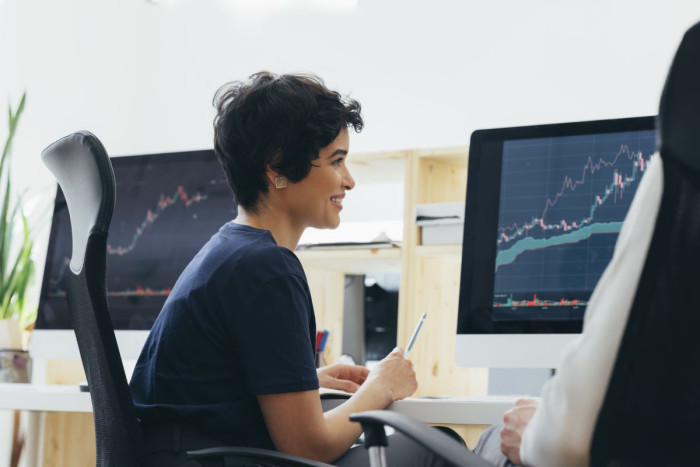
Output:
[[481, 222]]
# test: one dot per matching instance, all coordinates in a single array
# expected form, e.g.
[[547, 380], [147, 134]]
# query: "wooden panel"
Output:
[[360, 261], [69, 440], [469, 433], [409, 259], [328, 292], [382, 168], [372, 158], [433, 356], [431, 282], [456, 155], [64, 372], [446, 252], [69, 437], [441, 182]]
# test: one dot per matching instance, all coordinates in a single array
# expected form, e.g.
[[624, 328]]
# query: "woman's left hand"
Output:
[[343, 377]]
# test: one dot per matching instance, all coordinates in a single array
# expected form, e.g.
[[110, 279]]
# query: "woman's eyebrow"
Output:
[[338, 152]]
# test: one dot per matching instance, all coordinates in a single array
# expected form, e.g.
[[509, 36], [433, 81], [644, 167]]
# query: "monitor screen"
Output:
[[167, 207], [543, 210]]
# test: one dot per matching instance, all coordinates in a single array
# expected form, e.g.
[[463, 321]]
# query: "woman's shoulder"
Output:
[[250, 249]]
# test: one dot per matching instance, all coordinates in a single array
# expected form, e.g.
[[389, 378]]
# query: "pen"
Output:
[[324, 338], [415, 335], [319, 336]]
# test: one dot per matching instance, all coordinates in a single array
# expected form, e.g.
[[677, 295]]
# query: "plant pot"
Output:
[[14, 362], [10, 335], [15, 366]]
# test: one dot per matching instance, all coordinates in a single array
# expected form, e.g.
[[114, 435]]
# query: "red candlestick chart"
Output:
[[562, 205]]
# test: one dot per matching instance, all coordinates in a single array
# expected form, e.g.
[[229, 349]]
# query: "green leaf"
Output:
[[16, 264], [14, 293], [25, 265], [6, 223]]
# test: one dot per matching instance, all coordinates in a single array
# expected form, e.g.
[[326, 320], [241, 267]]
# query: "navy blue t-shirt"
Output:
[[238, 323]]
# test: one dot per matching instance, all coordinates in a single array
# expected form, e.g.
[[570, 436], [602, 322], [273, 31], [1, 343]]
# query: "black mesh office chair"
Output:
[[651, 409], [81, 165], [83, 170]]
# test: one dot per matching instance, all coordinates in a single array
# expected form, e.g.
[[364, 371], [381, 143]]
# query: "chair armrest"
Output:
[[331, 400], [434, 440], [256, 454]]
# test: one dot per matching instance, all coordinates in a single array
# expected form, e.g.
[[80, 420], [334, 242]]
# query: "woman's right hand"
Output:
[[394, 373]]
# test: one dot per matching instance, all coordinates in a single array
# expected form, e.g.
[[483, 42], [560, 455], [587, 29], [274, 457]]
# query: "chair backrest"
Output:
[[84, 172], [652, 405]]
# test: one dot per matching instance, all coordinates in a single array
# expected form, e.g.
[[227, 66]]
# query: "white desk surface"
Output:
[[485, 410], [44, 398], [461, 410]]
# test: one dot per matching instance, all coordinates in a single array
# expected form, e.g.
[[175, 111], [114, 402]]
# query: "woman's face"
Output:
[[316, 201]]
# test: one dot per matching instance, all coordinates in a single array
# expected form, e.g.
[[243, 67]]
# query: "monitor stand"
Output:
[[518, 381]]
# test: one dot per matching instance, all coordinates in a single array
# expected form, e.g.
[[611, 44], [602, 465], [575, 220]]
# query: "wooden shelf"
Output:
[[456, 156], [377, 167], [353, 261], [447, 252], [373, 157]]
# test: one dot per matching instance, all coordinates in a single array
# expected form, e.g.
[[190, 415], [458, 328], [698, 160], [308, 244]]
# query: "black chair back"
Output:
[[650, 412], [84, 172]]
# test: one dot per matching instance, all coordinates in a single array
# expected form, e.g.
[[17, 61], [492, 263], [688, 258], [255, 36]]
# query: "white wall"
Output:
[[142, 75]]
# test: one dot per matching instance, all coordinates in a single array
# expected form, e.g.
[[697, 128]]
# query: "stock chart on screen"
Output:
[[167, 207], [561, 207]]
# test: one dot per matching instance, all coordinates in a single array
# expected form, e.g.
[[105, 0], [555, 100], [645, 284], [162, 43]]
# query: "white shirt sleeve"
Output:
[[561, 430]]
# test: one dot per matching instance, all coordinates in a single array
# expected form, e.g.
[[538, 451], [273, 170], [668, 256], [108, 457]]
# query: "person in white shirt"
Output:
[[557, 431]]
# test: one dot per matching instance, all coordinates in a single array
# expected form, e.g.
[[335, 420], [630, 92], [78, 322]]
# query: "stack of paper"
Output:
[[440, 223]]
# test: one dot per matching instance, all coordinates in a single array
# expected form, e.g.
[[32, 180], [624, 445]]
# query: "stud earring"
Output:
[[280, 182]]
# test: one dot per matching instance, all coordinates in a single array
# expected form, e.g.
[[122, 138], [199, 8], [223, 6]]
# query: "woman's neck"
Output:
[[282, 230]]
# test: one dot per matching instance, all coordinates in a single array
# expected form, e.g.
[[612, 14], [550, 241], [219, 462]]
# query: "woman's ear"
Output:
[[275, 179]]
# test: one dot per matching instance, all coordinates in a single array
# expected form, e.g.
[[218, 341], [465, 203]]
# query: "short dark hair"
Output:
[[280, 122]]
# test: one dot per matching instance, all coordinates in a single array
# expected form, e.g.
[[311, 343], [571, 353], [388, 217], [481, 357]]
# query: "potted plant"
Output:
[[16, 266]]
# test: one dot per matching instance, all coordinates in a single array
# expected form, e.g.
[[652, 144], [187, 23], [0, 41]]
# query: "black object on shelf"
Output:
[[381, 315]]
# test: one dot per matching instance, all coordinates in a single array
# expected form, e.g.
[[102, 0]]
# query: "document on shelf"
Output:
[[439, 214], [380, 241]]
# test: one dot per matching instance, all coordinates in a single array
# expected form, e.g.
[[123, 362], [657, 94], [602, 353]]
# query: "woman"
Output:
[[230, 359]]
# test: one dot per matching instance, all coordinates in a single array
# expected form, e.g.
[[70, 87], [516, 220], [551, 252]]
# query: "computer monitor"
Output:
[[543, 210], [167, 207]]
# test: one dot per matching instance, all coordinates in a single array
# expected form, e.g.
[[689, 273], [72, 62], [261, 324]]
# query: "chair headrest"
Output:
[[84, 172], [679, 111]]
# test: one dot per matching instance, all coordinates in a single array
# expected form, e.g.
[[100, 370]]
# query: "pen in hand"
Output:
[[415, 335]]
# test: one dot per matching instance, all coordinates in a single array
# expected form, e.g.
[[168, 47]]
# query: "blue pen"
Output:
[[322, 346]]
